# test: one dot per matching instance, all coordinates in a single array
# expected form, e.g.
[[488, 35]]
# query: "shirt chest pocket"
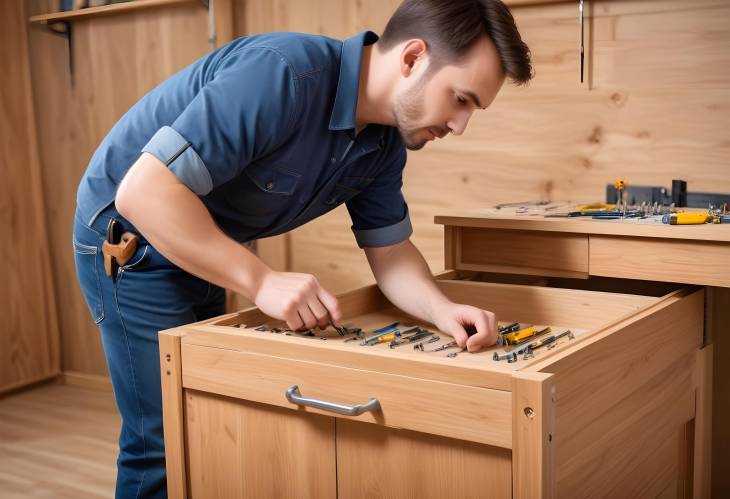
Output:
[[346, 188], [266, 190]]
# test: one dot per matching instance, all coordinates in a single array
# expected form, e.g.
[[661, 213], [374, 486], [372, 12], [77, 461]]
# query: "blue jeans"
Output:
[[150, 294]]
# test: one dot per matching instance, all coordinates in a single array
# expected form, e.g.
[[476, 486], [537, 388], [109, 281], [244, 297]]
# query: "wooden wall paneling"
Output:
[[117, 60], [669, 44], [29, 338], [561, 140]]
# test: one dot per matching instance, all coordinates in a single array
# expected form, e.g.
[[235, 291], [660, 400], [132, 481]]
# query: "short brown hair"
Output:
[[450, 27]]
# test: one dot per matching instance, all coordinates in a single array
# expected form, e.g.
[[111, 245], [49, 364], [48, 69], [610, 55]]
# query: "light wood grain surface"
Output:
[[58, 441], [243, 450], [117, 59], [642, 118], [29, 349]]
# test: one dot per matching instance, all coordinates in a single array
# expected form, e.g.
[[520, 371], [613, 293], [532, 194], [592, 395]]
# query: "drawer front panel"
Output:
[[668, 260], [520, 252], [464, 412]]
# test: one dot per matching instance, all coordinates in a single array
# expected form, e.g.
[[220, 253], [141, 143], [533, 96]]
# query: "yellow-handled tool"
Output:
[[522, 335], [385, 338], [685, 218]]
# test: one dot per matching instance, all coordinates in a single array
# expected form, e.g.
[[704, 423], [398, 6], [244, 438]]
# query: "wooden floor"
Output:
[[58, 441]]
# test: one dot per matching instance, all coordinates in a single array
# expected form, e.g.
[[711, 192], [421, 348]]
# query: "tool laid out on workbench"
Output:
[[419, 334], [523, 335], [519, 335], [527, 351], [419, 346], [388, 333], [712, 215], [341, 330]]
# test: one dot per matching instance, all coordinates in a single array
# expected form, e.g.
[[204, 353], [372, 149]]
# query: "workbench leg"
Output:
[[718, 332], [172, 413], [703, 425], [533, 424]]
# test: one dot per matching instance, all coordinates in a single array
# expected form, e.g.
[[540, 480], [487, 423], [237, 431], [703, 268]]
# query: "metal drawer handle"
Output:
[[293, 396]]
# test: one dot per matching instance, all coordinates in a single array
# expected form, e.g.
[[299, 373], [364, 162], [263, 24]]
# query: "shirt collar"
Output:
[[343, 111]]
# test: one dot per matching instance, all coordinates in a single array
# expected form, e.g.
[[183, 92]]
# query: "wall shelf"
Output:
[[115, 8]]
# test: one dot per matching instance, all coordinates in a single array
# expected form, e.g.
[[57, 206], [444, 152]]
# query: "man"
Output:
[[253, 140]]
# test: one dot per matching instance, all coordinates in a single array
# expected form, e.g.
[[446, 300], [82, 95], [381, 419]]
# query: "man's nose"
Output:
[[458, 123]]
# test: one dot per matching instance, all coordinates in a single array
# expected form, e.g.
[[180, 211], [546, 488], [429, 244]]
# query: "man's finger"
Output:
[[308, 319], [331, 304], [319, 312], [482, 337], [459, 334], [294, 322]]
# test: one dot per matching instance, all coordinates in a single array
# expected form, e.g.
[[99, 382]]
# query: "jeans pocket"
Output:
[[87, 271]]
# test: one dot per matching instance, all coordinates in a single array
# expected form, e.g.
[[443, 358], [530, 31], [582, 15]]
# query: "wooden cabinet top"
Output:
[[528, 243], [507, 218]]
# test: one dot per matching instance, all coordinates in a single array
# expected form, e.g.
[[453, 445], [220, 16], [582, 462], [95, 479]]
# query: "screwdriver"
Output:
[[523, 334], [545, 341], [381, 332], [388, 337], [685, 218]]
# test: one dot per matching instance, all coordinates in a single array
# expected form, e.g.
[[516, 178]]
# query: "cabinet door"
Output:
[[240, 449], [379, 462]]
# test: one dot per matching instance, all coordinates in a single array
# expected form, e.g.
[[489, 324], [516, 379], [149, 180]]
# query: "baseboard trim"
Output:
[[95, 381]]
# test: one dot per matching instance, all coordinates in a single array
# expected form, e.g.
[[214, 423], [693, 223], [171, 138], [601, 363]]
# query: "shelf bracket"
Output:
[[66, 32]]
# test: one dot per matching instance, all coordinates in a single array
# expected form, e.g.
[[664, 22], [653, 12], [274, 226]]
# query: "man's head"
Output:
[[453, 57]]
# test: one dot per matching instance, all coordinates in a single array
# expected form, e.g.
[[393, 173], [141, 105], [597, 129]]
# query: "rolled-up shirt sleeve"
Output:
[[380, 214], [245, 111]]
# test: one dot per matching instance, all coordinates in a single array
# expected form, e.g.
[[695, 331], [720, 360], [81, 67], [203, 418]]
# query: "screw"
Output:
[[529, 412]]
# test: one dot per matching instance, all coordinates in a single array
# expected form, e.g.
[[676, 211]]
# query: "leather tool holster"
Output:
[[119, 253]]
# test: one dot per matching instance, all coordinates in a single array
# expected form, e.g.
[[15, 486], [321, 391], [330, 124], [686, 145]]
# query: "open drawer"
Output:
[[609, 412]]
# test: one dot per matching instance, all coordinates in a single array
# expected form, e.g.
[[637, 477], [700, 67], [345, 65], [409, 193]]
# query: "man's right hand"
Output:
[[298, 299]]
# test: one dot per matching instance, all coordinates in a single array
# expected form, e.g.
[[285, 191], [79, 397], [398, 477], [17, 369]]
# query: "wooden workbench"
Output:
[[621, 410]]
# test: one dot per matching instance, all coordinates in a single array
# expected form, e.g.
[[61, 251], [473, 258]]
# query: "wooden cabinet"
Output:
[[621, 410]]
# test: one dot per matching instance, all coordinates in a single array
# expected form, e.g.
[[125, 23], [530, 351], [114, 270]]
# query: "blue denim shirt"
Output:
[[263, 130]]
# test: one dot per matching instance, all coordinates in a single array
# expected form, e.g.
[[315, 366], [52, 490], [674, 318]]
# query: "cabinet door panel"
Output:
[[238, 449], [377, 462]]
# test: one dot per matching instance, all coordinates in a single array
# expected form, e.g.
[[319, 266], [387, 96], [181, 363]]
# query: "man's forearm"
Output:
[[180, 227], [404, 277]]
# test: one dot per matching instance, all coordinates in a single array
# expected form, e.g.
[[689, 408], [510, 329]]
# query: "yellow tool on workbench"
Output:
[[685, 218], [522, 335], [385, 338], [595, 207]]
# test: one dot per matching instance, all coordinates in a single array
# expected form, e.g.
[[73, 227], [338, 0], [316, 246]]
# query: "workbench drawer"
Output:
[[616, 401], [470, 413], [519, 252]]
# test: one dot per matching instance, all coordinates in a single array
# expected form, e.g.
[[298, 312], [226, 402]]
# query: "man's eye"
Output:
[[461, 100]]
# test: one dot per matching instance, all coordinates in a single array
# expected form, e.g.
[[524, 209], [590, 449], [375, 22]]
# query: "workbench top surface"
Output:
[[534, 219]]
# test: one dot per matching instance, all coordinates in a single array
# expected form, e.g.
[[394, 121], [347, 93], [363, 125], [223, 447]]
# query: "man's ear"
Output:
[[414, 53]]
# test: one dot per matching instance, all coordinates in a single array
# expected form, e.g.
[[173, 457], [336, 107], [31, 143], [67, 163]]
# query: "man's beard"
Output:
[[409, 108]]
